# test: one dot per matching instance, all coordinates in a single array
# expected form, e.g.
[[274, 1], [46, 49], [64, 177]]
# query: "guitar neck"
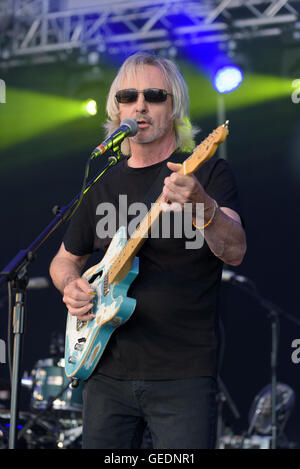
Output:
[[134, 243], [201, 153]]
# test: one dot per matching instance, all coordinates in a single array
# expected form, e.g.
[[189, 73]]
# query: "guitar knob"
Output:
[[78, 346], [72, 359]]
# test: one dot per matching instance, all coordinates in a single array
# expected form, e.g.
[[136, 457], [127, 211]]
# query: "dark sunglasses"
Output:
[[152, 95]]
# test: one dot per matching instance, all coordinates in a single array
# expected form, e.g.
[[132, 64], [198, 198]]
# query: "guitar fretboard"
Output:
[[136, 241]]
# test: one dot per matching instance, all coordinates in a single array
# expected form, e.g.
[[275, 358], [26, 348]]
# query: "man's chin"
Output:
[[143, 139]]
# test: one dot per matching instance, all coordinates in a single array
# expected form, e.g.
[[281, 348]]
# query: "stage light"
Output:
[[227, 79], [91, 107], [36, 113]]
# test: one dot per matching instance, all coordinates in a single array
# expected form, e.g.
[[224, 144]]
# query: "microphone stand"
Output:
[[15, 273], [273, 314]]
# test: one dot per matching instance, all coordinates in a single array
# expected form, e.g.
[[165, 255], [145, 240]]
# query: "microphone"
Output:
[[230, 276], [128, 128]]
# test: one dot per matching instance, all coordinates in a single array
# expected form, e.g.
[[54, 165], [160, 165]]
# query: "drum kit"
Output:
[[54, 419]]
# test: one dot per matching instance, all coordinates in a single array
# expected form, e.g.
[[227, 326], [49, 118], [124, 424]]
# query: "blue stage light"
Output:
[[227, 79]]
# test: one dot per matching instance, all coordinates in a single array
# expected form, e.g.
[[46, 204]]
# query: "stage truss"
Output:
[[46, 30]]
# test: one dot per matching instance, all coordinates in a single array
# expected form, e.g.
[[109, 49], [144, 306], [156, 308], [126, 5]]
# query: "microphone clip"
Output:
[[116, 156]]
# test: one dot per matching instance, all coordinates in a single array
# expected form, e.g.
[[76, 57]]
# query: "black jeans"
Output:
[[178, 413]]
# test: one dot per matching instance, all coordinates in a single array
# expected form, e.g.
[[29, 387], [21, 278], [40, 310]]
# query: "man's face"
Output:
[[154, 119]]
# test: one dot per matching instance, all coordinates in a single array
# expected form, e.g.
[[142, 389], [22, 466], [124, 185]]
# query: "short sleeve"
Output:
[[79, 236]]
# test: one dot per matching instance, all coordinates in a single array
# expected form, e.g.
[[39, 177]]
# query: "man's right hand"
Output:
[[78, 295]]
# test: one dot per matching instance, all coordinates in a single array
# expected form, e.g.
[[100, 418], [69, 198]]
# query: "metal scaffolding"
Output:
[[38, 30]]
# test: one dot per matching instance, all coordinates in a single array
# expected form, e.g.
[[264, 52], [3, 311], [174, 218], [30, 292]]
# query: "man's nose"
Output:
[[141, 103]]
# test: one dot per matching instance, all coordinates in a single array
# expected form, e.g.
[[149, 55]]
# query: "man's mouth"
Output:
[[143, 124]]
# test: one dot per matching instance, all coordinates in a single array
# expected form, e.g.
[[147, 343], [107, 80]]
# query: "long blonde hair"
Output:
[[184, 131]]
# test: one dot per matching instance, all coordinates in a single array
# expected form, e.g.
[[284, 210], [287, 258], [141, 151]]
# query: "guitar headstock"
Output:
[[205, 150]]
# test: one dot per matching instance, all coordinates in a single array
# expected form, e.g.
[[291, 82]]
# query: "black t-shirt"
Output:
[[171, 334]]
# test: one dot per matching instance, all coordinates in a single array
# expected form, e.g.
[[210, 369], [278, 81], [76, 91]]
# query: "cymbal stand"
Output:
[[273, 314], [223, 397]]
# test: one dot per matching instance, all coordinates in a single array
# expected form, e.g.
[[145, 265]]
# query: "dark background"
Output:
[[263, 148]]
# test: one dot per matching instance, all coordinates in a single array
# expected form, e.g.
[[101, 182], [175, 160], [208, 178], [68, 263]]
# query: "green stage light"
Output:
[[91, 107], [258, 89], [255, 89], [27, 114]]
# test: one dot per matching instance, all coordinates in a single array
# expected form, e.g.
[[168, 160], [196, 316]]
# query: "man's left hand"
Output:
[[180, 189]]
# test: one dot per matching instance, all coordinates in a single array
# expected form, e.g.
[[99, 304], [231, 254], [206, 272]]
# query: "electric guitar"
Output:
[[112, 277]]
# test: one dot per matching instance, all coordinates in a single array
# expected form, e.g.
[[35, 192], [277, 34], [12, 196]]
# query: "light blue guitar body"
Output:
[[86, 341]]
